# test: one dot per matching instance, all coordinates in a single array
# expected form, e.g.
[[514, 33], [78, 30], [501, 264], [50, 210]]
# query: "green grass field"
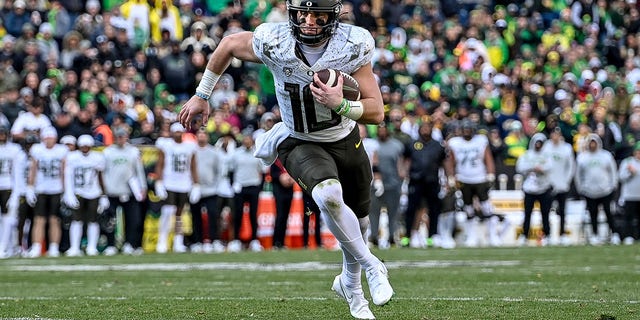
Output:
[[504, 283]]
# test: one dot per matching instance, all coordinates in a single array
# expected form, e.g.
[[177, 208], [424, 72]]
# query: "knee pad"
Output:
[[328, 196]]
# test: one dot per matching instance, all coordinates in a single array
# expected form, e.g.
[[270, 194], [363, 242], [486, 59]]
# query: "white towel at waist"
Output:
[[268, 142]]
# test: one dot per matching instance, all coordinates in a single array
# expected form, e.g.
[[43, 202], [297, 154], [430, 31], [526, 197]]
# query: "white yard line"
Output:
[[248, 266], [209, 298]]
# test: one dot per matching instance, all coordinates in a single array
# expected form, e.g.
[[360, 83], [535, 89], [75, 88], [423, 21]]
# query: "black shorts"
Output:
[[47, 205], [4, 198], [178, 199], [25, 211], [480, 190], [87, 211], [310, 163]]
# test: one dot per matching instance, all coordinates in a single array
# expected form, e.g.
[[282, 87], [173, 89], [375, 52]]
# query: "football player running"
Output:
[[318, 141]]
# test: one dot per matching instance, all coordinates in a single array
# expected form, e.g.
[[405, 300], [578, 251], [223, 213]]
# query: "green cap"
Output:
[[426, 86]]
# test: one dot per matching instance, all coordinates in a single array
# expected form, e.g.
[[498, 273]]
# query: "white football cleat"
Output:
[[522, 240], [384, 244], [379, 287], [628, 241], [92, 252], [53, 253], [179, 248], [234, 246], [217, 246], [110, 251], [34, 252], [73, 253], [615, 239], [196, 248], [255, 245], [358, 305], [127, 249]]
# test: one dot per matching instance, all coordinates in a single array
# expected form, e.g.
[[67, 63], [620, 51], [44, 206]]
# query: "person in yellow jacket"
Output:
[[137, 13], [165, 16]]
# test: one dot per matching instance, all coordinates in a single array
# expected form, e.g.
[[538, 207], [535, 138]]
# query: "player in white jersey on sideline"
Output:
[[318, 142], [44, 189], [209, 162], [471, 161], [126, 185], [178, 184], [83, 193], [12, 162]]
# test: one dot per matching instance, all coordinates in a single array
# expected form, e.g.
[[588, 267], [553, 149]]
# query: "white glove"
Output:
[[195, 195], [137, 189], [70, 200], [378, 187], [451, 181], [103, 204], [161, 192], [124, 198], [237, 187], [30, 195], [13, 203], [491, 177]]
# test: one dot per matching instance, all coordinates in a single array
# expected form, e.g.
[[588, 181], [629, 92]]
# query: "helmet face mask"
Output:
[[330, 7], [468, 129]]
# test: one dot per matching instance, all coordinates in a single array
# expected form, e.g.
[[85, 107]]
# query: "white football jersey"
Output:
[[49, 167], [469, 155], [81, 173], [121, 165], [177, 165], [11, 160], [349, 48]]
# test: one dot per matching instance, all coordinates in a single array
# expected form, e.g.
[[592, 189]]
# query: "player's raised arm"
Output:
[[233, 46]]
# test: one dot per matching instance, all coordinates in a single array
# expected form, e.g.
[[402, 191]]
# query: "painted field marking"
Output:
[[304, 266], [209, 298]]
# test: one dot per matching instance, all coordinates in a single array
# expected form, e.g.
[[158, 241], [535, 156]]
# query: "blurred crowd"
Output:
[[513, 68]]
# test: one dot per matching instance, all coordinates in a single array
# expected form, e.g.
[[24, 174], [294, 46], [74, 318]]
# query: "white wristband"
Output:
[[350, 109], [207, 83]]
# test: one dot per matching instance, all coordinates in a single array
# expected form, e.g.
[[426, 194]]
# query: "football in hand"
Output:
[[350, 87]]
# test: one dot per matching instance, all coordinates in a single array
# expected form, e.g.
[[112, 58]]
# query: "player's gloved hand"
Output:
[[70, 200], [195, 194], [161, 192], [30, 196], [378, 187], [237, 187], [124, 198], [103, 204], [451, 181]]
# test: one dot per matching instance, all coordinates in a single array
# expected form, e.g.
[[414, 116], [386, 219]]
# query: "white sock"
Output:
[[166, 212], [8, 225], [53, 247], [472, 226], [178, 240], [444, 225], [342, 221], [75, 235], [351, 269], [93, 234]]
